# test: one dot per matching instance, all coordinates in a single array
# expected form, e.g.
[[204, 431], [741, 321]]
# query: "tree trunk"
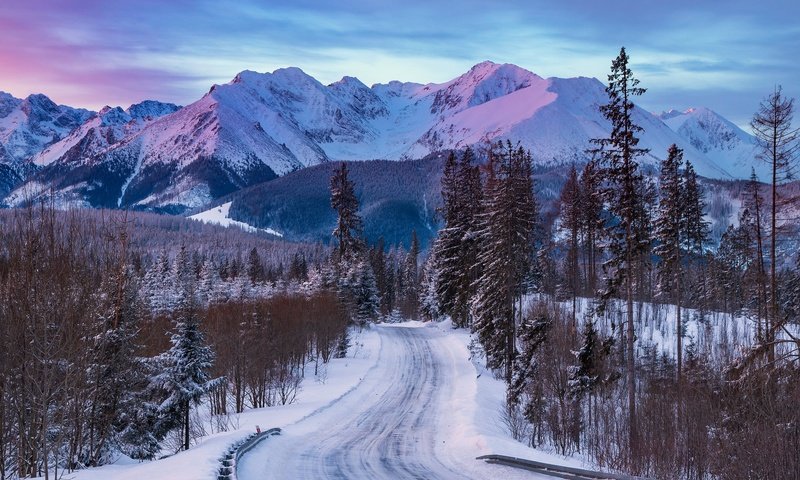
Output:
[[629, 354], [679, 323], [773, 280], [186, 426]]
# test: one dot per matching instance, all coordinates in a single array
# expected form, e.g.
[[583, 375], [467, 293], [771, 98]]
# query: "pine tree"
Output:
[[585, 375], [571, 222], [618, 156], [670, 233], [185, 378], [364, 292], [429, 282], [378, 262], [255, 268], [349, 226], [779, 144], [507, 226], [408, 278], [183, 276], [697, 229], [753, 203], [456, 247], [157, 287], [591, 221], [114, 371]]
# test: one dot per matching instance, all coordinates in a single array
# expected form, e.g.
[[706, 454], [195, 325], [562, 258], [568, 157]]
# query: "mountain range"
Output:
[[261, 126]]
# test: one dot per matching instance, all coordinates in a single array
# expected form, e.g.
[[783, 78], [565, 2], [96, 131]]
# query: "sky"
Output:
[[725, 55]]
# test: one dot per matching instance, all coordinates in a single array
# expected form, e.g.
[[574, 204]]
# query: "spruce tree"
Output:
[[115, 371], [571, 222], [591, 221], [670, 232], [408, 277], [429, 307], [456, 246], [618, 158], [255, 269], [779, 144], [185, 377], [507, 227], [696, 229], [753, 203], [364, 292], [349, 226]]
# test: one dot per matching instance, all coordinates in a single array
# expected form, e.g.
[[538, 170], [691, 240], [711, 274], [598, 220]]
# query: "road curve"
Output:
[[386, 428], [386, 431]]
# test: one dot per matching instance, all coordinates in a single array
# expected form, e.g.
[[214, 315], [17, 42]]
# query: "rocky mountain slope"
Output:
[[718, 139], [260, 126], [26, 127]]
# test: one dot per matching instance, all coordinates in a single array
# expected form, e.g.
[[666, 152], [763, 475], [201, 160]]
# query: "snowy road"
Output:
[[396, 423]]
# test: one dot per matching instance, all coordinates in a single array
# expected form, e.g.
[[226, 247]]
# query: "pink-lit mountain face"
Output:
[[260, 126]]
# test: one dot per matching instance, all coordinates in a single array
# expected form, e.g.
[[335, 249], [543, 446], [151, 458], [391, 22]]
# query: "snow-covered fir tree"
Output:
[[456, 246], [617, 158], [508, 221], [185, 377]]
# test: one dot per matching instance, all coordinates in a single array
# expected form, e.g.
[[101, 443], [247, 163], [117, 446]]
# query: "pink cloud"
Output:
[[75, 68]]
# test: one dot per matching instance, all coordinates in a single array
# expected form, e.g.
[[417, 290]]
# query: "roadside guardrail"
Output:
[[230, 459], [557, 471]]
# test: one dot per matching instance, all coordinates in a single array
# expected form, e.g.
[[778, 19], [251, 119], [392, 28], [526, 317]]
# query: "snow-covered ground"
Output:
[[407, 400], [200, 462], [220, 215], [424, 411]]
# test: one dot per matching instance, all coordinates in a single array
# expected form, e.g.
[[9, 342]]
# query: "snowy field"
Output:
[[220, 215]]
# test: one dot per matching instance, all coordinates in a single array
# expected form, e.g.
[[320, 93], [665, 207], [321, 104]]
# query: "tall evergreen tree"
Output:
[[456, 246], [349, 226], [429, 307], [753, 203], [696, 229], [779, 144], [571, 222], [409, 278], [185, 376], [618, 157], [591, 221], [508, 222], [670, 231], [364, 292], [255, 268], [115, 371]]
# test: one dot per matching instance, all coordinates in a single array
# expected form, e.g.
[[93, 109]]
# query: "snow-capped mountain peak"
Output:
[[716, 137], [484, 82], [262, 125]]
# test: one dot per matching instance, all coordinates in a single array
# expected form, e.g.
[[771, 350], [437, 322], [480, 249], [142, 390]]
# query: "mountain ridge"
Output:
[[260, 126]]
